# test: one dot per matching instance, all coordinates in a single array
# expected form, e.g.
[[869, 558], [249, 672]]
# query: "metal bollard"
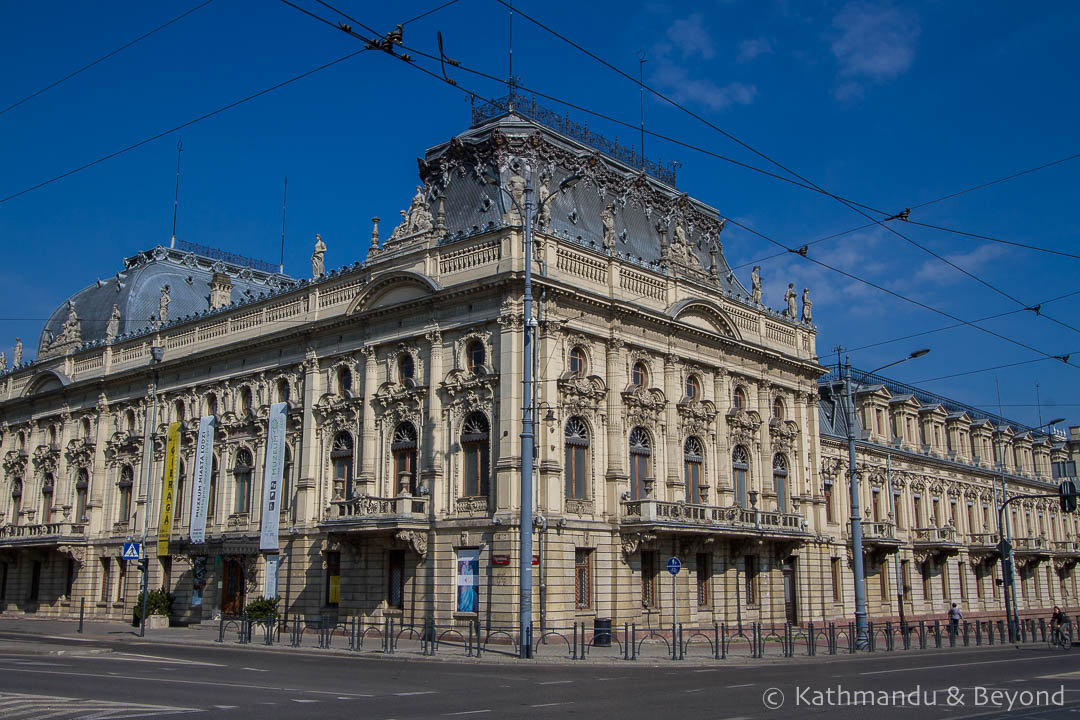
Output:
[[716, 641], [82, 613], [626, 640], [633, 641], [681, 648]]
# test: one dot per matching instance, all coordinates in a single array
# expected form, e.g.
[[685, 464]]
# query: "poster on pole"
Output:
[[200, 479], [273, 562], [468, 580], [272, 471], [168, 489]]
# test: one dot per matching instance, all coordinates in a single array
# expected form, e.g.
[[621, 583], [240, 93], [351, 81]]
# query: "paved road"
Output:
[[58, 677]]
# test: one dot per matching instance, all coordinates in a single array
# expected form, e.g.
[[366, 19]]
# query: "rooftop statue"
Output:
[[807, 316], [112, 329], [755, 279], [318, 267], [163, 305], [789, 297], [607, 217], [16, 354], [3, 361], [417, 219]]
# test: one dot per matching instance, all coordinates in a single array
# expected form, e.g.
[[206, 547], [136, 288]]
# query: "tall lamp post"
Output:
[[156, 353], [1008, 571], [528, 433], [861, 640]]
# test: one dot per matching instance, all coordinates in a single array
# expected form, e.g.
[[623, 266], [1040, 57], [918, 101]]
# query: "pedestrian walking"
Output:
[[955, 616]]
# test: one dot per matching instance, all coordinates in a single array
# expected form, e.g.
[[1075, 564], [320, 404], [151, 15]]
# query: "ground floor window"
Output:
[[905, 579], [704, 580], [649, 600], [750, 580], [35, 581], [121, 579], [583, 579], [926, 589], [106, 578], [69, 578], [333, 578], [396, 579], [834, 565]]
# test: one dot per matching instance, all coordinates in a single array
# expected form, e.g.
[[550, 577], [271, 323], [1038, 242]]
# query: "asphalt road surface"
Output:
[[59, 678]]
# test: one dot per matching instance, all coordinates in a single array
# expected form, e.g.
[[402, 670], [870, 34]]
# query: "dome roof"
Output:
[[136, 292]]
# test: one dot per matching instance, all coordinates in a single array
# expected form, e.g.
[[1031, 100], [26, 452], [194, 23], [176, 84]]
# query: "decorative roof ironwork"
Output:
[[234, 258], [528, 107]]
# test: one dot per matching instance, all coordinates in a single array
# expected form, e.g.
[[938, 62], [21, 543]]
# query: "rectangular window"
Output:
[[121, 579], [828, 503], [106, 579], [926, 587], [916, 511], [952, 513], [583, 579], [910, 430], [751, 589], [649, 600], [704, 580], [905, 578], [961, 575], [945, 594], [883, 580], [980, 573], [993, 580], [166, 572], [69, 578], [899, 508], [837, 591], [875, 504], [333, 578], [878, 421], [396, 579], [934, 516], [1050, 581], [35, 581]]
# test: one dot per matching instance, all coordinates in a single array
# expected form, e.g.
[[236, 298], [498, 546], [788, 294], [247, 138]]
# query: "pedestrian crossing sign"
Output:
[[132, 551]]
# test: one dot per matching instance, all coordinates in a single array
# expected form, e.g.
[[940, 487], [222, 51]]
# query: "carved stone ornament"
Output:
[[80, 453], [415, 221], [743, 425], [643, 406], [75, 552], [697, 416], [45, 459], [417, 540], [14, 463], [783, 433], [631, 542], [580, 394]]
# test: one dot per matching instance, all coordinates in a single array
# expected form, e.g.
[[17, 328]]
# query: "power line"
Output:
[[982, 370], [995, 182], [67, 77], [994, 239]]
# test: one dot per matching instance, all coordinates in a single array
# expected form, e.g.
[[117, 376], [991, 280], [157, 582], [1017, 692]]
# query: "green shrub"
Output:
[[158, 602], [262, 608]]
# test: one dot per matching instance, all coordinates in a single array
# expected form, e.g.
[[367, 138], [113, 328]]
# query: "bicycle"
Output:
[[1061, 637]]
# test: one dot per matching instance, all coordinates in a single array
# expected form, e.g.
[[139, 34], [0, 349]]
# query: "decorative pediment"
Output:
[[643, 406], [743, 424], [783, 432], [466, 392], [45, 459], [14, 463], [697, 415], [80, 453], [581, 393]]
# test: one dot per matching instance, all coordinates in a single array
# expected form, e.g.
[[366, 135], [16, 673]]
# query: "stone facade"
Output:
[[676, 415]]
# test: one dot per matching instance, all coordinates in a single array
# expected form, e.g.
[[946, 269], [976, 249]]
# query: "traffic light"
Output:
[[1067, 496]]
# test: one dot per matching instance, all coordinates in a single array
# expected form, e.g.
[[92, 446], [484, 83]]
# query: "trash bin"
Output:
[[602, 632]]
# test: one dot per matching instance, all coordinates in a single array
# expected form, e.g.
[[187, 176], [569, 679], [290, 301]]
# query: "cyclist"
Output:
[[1057, 622]]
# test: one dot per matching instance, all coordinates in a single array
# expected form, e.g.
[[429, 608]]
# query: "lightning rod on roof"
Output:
[[284, 198], [176, 192]]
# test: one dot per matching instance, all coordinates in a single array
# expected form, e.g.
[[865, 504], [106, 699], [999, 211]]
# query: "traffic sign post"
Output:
[[674, 565], [132, 551]]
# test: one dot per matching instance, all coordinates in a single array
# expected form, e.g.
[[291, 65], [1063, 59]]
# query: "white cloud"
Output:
[[753, 47], [873, 42], [691, 37], [937, 272], [675, 66]]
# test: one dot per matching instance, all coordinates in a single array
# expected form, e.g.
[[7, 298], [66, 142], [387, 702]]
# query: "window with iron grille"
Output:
[[834, 565], [649, 600], [704, 580], [396, 578], [750, 578], [583, 578]]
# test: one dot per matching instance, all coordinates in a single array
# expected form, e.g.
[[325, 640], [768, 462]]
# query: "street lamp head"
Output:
[[156, 353], [1055, 422], [569, 182], [919, 353]]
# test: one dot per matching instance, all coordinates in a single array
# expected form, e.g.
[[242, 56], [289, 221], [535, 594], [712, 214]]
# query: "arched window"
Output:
[[127, 479], [738, 399], [242, 470], [178, 411], [82, 486], [693, 458], [211, 491], [778, 408], [576, 468], [740, 470], [281, 391], [245, 402], [47, 498], [693, 388], [639, 375], [640, 453], [84, 428], [210, 405], [341, 457], [475, 356], [403, 445], [577, 361], [406, 369], [476, 448], [129, 422], [344, 382], [16, 500], [780, 481]]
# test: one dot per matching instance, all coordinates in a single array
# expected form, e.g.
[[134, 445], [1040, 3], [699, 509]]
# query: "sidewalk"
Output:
[[450, 646]]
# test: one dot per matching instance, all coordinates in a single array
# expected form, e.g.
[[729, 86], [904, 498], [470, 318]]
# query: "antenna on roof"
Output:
[[284, 198], [1038, 402], [176, 193], [642, 59], [510, 75]]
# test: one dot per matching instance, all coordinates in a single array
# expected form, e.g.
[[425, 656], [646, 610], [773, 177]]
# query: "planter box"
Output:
[[156, 622]]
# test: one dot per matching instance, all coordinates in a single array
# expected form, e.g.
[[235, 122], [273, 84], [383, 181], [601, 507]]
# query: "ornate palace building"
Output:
[[676, 415]]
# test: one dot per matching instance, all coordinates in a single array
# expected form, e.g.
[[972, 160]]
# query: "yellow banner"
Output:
[[168, 491]]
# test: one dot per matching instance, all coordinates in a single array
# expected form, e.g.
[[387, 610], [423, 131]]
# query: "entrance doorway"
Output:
[[791, 603], [232, 587]]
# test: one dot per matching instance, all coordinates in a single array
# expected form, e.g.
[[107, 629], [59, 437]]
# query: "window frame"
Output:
[[577, 442]]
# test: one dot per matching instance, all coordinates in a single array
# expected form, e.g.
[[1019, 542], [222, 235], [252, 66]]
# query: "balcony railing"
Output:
[[984, 539], [879, 529], [711, 516], [936, 536], [42, 531], [1030, 544], [1071, 547], [368, 506]]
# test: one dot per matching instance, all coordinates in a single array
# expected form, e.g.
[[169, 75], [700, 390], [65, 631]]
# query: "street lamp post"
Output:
[[528, 433], [861, 639], [1008, 569], [156, 353]]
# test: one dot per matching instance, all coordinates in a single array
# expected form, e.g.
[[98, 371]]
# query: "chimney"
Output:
[[220, 291]]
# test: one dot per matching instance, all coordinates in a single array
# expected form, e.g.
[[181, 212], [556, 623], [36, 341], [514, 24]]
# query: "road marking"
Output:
[[551, 704], [556, 682], [112, 675], [338, 692], [133, 657], [255, 669], [708, 670], [44, 706], [298, 700], [224, 707], [936, 667], [729, 687], [418, 692], [694, 690], [467, 712]]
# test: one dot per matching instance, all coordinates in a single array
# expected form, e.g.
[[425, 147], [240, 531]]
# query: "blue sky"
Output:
[[889, 104]]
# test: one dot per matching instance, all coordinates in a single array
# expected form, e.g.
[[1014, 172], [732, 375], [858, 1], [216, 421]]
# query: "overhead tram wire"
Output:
[[1063, 358], [857, 207], [104, 57], [981, 370], [372, 44]]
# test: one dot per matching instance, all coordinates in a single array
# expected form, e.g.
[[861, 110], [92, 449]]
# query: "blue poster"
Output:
[[468, 580]]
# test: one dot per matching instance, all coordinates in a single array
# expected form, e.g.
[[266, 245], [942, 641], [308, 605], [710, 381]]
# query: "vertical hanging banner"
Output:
[[200, 479], [272, 471], [468, 580], [168, 488]]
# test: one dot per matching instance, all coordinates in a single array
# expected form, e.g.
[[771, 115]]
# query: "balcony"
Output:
[[983, 544], [880, 535], [42, 534], [1030, 547], [1066, 548], [730, 521], [938, 541], [367, 513]]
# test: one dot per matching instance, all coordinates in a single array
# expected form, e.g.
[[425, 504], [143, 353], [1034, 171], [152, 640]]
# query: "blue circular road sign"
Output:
[[674, 565]]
